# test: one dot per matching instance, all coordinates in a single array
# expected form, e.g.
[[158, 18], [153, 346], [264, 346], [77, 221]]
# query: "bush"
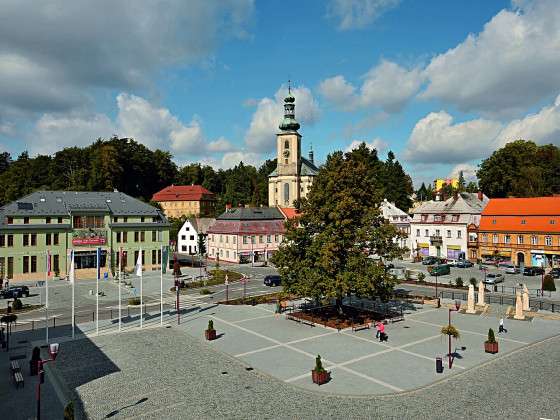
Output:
[[134, 301], [69, 411], [318, 364], [472, 281], [450, 330], [421, 278], [210, 325], [205, 292], [491, 336], [548, 283], [459, 282], [17, 305]]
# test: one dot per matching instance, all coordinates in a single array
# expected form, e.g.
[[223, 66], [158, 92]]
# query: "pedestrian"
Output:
[[277, 311], [381, 331], [1, 282], [501, 328], [377, 329]]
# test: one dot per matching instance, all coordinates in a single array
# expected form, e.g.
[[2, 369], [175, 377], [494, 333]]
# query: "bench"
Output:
[[300, 320], [293, 318], [358, 327], [307, 322], [18, 379]]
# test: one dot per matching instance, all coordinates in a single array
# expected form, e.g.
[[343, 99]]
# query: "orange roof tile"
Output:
[[183, 193], [535, 206], [289, 213], [515, 224]]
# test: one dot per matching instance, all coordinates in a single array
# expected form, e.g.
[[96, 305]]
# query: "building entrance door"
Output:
[[438, 251], [521, 260]]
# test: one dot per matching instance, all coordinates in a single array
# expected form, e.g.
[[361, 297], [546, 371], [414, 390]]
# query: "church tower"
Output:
[[293, 175]]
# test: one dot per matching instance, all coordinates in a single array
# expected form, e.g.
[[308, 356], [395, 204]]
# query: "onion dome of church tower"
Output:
[[289, 122]]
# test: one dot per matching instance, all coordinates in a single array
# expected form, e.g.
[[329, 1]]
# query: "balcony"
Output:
[[436, 240]]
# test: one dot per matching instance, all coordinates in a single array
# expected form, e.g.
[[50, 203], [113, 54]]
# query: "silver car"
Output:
[[511, 269], [493, 278]]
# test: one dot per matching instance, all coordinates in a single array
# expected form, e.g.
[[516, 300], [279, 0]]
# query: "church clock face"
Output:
[[286, 153]]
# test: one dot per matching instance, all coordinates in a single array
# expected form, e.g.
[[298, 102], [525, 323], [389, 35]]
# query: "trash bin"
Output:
[[439, 365]]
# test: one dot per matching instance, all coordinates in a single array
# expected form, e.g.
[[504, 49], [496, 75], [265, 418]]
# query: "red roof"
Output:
[[183, 193], [253, 227], [289, 213], [539, 214]]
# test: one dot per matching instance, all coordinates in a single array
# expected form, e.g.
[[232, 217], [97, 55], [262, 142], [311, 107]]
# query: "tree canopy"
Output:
[[521, 169], [327, 251]]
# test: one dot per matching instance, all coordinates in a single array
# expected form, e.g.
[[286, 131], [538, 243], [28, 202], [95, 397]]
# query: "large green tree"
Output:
[[327, 252], [521, 169]]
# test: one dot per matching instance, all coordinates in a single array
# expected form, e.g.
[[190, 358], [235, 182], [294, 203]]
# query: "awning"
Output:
[[458, 247], [424, 245]]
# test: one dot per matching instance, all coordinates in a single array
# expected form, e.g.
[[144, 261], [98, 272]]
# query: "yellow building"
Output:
[[186, 200], [440, 183]]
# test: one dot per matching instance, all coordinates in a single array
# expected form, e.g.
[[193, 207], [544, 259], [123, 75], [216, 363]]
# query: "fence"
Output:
[[489, 298]]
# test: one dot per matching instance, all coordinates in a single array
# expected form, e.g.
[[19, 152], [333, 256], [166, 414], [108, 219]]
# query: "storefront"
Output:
[[454, 252], [424, 249]]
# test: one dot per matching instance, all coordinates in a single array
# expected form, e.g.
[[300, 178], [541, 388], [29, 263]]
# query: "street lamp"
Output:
[[53, 352], [452, 309]]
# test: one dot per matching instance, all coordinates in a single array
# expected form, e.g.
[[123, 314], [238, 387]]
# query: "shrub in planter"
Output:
[[491, 345], [548, 283], [210, 332], [421, 278], [319, 375], [459, 282], [17, 305], [472, 281], [205, 292]]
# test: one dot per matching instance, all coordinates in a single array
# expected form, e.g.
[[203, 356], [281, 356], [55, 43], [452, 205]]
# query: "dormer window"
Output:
[[523, 221], [552, 221], [493, 221]]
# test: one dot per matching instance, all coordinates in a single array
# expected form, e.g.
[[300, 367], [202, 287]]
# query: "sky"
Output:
[[440, 83]]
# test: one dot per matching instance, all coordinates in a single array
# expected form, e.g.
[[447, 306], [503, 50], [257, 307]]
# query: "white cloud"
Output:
[[53, 53], [469, 171], [377, 143], [355, 14], [260, 136], [387, 86], [436, 139], [512, 64]]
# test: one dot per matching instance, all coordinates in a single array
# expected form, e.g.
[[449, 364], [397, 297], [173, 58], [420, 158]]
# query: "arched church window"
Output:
[[287, 144], [286, 192]]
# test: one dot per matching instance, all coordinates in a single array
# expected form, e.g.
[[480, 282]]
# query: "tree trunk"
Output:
[[339, 305]]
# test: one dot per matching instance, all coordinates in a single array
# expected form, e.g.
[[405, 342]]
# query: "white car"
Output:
[[493, 278], [452, 262], [511, 269]]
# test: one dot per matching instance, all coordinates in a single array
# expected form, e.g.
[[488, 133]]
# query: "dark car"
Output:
[[464, 264], [533, 271], [15, 292], [272, 281], [429, 261], [555, 273]]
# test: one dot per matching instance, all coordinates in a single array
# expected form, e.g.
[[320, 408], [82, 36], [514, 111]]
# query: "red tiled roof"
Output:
[[514, 224], [536, 206], [239, 227], [183, 193], [290, 213]]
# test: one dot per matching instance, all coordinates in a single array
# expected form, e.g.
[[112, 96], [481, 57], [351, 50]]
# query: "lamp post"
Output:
[[53, 352], [457, 306]]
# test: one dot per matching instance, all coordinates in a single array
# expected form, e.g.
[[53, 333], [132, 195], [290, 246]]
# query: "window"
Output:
[[9, 220], [142, 236], [253, 239], [484, 237], [507, 239], [245, 240], [48, 220], [2, 240], [286, 192], [33, 264], [56, 263], [534, 240], [221, 252], [548, 240], [33, 239], [26, 240], [459, 236], [55, 238], [88, 222], [235, 239], [191, 237], [183, 237], [10, 240], [184, 248], [437, 232], [449, 234], [439, 218], [424, 217], [261, 239], [136, 236], [426, 233], [275, 238], [142, 220], [268, 239], [286, 144], [417, 232], [48, 239], [227, 253], [493, 221], [125, 219], [520, 239], [124, 237], [221, 238], [495, 238], [187, 228], [25, 267], [523, 221], [26, 220], [119, 237], [60, 220], [115, 219], [154, 236], [154, 256], [455, 218], [552, 221], [227, 238]]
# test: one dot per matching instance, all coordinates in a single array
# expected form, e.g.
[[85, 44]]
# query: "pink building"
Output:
[[241, 234]]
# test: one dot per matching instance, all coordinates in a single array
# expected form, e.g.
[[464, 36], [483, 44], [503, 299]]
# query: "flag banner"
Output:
[[164, 259], [48, 263], [98, 263], [71, 271], [138, 268]]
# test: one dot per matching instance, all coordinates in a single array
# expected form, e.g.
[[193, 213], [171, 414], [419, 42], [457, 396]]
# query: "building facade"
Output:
[[244, 235], [188, 236], [293, 176], [399, 219], [56, 222], [186, 200], [525, 231], [439, 228]]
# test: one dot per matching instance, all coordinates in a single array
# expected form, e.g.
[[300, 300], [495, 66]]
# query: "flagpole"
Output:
[[97, 294], [161, 287], [120, 310], [73, 281], [47, 299], [141, 295]]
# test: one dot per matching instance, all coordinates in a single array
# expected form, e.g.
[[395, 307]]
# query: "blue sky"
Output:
[[441, 83]]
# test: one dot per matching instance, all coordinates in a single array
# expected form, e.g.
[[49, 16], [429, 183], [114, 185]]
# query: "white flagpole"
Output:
[[141, 295], [120, 261], [73, 280], [98, 254], [161, 287], [47, 298]]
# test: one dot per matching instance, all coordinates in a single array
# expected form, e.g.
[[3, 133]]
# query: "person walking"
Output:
[[376, 329], [501, 328], [381, 331]]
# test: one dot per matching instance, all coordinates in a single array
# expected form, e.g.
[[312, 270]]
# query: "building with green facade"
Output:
[[54, 222]]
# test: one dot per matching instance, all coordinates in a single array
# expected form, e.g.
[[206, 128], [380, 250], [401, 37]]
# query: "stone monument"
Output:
[[481, 294], [470, 301], [518, 307], [525, 298]]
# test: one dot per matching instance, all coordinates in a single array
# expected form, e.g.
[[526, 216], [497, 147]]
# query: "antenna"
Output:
[[289, 86]]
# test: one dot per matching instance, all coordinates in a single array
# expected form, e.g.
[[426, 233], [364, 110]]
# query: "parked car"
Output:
[[429, 261], [464, 264], [493, 278], [272, 280], [533, 271], [439, 270], [555, 273], [452, 262], [511, 269], [15, 292]]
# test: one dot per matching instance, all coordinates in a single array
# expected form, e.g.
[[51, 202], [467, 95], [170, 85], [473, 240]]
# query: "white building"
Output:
[[439, 228], [187, 240], [399, 219]]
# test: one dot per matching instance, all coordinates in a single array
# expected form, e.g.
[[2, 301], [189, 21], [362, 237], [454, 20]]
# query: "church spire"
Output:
[[289, 122]]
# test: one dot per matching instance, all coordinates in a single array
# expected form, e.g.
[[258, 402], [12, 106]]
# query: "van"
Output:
[[272, 280], [439, 270]]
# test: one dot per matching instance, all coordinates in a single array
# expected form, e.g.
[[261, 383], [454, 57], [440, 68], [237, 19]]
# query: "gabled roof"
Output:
[[464, 203], [535, 206], [201, 224], [184, 193], [251, 213], [289, 213]]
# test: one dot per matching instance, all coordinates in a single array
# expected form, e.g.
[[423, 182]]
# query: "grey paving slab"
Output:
[[282, 329], [280, 362]]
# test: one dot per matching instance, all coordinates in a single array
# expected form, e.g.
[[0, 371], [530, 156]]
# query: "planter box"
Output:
[[210, 334], [491, 347], [320, 378]]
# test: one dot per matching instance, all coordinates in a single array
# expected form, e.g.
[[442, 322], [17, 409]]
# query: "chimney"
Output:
[[480, 195]]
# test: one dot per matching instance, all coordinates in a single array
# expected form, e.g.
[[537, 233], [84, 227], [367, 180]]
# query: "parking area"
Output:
[[359, 363]]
